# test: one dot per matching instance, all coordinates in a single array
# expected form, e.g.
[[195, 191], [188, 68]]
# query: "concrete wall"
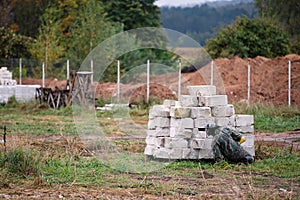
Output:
[[21, 92]]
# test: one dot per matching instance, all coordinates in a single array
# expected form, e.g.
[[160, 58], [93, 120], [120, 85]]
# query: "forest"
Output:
[[202, 22]]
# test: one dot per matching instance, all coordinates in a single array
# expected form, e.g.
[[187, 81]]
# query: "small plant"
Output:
[[19, 161]]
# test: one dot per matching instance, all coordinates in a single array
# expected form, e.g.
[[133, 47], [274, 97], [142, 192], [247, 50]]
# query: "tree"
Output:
[[287, 14], [48, 45], [249, 38], [13, 45], [133, 13], [90, 28]]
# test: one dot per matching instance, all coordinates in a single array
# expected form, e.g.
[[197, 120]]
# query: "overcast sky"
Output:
[[181, 2]]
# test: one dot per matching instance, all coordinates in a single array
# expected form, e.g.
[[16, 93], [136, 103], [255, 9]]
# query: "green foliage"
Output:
[[89, 29], [133, 13], [249, 38], [13, 44], [287, 14], [20, 161], [271, 118]]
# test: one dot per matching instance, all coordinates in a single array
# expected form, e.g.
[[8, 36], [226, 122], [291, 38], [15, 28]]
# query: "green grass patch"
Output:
[[271, 118]]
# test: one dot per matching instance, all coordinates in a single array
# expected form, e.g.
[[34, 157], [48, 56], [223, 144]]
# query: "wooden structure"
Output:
[[80, 90], [83, 88]]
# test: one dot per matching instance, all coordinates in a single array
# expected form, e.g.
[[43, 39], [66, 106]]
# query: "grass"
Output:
[[47, 154], [271, 118]]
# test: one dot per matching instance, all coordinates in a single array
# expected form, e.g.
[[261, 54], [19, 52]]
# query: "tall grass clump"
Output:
[[19, 161], [272, 118]]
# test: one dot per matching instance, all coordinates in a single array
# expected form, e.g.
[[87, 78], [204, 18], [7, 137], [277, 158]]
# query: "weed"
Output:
[[20, 161]]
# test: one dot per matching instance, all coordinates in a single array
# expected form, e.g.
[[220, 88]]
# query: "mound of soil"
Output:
[[269, 81]]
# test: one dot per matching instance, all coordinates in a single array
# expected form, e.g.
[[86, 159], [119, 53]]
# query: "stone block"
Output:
[[182, 123], [211, 101], [194, 154], [245, 129], [180, 133], [206, 154], [202, 90], [26, 92], [189, 101], [202, 122], [200, 112], [159, 111], [149, 149], [178, 143], [155, 141], [223, 111], [228, 122], [198, 134], [151, 124], [159, 132], [249, 140], [169, 103], [244, 120], [162, 122], [197, 143], [180, 112], [162, 153]]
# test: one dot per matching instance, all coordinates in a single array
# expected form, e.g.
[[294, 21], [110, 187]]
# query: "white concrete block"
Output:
[[26, 92], [162, 122], [197, 143], [202, 122], [244, 120], [155, 141], [159, 111], [198, 134], [149, 149], [202, 90], [179, 143], [162, 153], [178, 104], [159, 132], [182, 123], [151, 124], [211, 101], [245, 129], [180, 112], [198, 112], [249, 140], [189, 101], [194, 154], [223, 111], [186, 153], [169, 103], [206, 154], [180, 133], [228, 122]]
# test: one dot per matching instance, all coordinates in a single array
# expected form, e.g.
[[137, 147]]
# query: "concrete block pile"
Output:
[[8, 88], [6, 77], [176, 129]]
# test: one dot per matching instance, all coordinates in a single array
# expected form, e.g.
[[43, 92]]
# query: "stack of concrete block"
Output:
[[176, 129], [6, 77]]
